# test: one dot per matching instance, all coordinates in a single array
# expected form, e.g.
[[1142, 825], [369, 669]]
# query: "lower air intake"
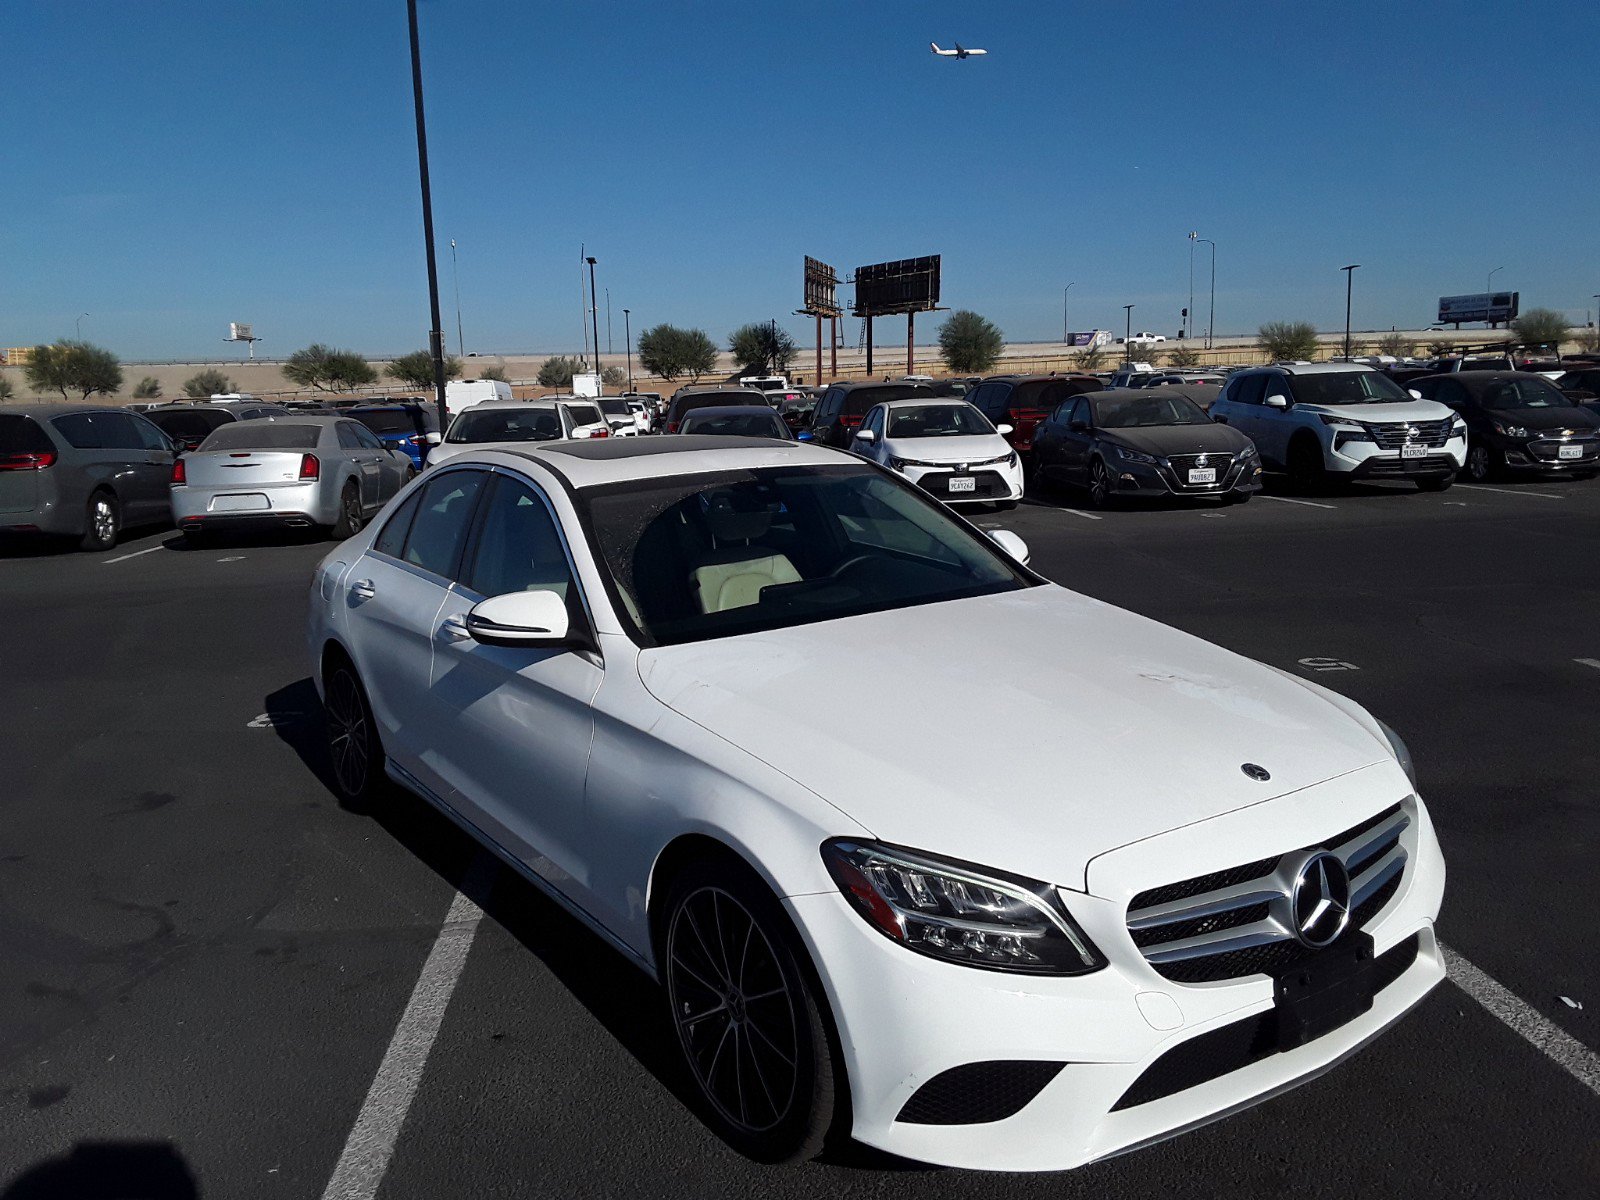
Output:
[[977, 1093]]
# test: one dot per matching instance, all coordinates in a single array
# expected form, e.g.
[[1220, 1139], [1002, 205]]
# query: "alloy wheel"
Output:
[[349, 738], [735, 1015], [352, 511], [1099, 484], [1478, 463]]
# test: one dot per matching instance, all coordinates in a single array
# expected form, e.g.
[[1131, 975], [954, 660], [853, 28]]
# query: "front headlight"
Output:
[[1458, 427], [1401, 753], [960, 913], [900, 464], [1510, 431], [1136, 456]]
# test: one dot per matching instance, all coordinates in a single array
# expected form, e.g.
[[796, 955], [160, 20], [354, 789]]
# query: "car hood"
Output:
[[1397, 410], [1028, 731], [445, 451], [970, 448], [1162, 440], [1545, 418]]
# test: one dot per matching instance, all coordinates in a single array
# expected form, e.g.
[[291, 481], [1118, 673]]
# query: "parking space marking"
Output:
[[1076, 513], [1582, 1063], [1589, 662], [372, 1139], [1478, 487], [135, 554], [1287, 500]]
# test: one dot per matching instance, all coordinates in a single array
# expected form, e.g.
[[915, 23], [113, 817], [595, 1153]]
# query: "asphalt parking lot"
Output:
[[208, 961]]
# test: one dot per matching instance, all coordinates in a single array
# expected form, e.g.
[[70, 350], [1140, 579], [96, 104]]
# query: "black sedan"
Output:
[[1147, 442], [1518, 423]]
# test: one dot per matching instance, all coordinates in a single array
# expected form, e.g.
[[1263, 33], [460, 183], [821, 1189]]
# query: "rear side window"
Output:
[[585, 414], [393, 538], [436, 536], [22, 435], [1250, 389], [80, 431], [263, 435]]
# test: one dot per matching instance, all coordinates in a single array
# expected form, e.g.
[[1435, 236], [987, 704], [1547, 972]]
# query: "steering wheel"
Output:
[[847, 564]]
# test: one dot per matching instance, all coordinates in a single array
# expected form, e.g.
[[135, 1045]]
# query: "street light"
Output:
[[461, 348], [594, 312], [1349, 274], [1127, 334], [627, 340], [1066, 330], [1210, 320], [435, 336], [78, 324]]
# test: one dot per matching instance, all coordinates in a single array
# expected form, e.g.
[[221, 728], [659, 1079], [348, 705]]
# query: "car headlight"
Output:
[[1401, 753], [1510, 431], [1349, 431], [960, 913], [1458, 427], [899, 464], [1136, 456]]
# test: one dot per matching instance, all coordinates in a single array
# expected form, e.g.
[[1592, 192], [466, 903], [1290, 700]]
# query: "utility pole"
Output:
[[608, 320], [1127, 333], [1066, 329], [1349, 275], [455, 274], [435, 336], [594, 312], [627, 340]]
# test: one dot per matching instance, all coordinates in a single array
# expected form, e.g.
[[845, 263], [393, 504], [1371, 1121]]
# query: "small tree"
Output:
[[969, 343], [1090, 358], [496, 373], [1183, 355], [1541, 327], [1397, 344], [558, 371], [613, 377], [1288, 340], [70, 366], [669, 352], [149, 388], [762, 347], [415, 370], [329, 370], [210, 382]]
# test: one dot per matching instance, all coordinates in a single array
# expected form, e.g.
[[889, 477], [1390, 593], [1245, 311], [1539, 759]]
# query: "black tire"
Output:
[[1099, 488], [1435, 485], [355, 753], [777, 1102], [1480, 465], [102, 522], [350, 519], [1308, 475]]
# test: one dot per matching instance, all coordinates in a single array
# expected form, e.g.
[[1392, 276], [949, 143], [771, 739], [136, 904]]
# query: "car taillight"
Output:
[[672, 427], [310, 468], [28, 460], [180, 473], [603, 431]]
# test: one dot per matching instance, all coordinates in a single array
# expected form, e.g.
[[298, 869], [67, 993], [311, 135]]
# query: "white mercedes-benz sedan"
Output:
[[748, 709]]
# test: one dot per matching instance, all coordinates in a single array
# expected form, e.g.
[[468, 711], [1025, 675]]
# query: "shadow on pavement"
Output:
[[108, 1171]]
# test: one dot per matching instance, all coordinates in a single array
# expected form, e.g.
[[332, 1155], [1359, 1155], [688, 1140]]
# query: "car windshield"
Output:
[[614, 408], [857, 402], [1345, 387], [798, 407], [506, 425], [1531, 392], [387, 420], [263, 435], [736, 424], [585, 414], [191, 424], [937, 420], [707, 556], [1158, 408], [1487, 364]]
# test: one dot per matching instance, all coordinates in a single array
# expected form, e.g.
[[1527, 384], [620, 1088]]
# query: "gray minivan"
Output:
[[82, 472]]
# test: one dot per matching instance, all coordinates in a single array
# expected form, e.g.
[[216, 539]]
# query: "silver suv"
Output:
[[1322, 422]]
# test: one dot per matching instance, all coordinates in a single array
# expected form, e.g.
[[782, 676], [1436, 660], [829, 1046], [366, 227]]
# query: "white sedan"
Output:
[[717, 697], [946, 447]]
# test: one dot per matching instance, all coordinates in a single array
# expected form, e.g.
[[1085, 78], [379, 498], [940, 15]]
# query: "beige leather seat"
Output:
[[733, 574]]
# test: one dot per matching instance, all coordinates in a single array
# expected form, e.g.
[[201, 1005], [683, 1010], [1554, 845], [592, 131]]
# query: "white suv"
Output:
[[1327, 421]]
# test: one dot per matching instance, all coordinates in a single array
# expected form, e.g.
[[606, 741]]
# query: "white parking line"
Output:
[[1287, 500], [1074, 512], [1589, 662], [135, 554], [1582, 1063], [372, 1138], [1478, 487]]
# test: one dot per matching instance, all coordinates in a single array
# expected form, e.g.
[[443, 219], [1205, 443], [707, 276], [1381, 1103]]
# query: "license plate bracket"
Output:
[[1324, 992]]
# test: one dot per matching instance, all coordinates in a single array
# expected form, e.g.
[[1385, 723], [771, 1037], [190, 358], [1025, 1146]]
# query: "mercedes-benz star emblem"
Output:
[[1320, 899], [1259, 774]]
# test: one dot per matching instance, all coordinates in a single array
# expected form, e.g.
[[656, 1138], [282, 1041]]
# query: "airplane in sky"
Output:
[[959, 52]]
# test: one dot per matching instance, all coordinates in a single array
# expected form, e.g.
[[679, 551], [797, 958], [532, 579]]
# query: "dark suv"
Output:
[[190, 424], [1022, 401], [687, 399], [842, 406]]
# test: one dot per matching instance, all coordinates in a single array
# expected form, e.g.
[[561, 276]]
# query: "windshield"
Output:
[[506, 425], [1345, 387], [387, 421], [191, 425], [263, 435], [736, 424], [585, 414], [1487, 364], [706, 556], [858, 401], [1138, 412], [1531, 392], [614, 408], [937, 420]]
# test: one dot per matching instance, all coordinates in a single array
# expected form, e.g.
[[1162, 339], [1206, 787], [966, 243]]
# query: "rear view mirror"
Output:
[[531, 619], [866, 435], [1277, 401], [1011, 544], [1002, 430]]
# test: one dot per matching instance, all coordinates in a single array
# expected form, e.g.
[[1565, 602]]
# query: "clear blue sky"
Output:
[[170, 166]]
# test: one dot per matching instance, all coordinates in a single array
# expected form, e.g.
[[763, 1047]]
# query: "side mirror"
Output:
[[1415, 395], [433, 439], [1011, 544], [866, 435], [1078, 426], [1002, 430], [1277, 401], [530, 619]]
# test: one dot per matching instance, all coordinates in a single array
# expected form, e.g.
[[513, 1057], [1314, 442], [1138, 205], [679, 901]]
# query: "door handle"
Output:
[[454, 629], [363, 589]]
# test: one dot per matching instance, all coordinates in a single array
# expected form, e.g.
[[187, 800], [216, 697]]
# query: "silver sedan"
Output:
[[326, 472]]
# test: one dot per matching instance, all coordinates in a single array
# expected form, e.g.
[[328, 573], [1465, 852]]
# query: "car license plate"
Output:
[[249, 502], [1413, 452], [963, 483], [1322, 993], [1570, 452], [1209, 475]]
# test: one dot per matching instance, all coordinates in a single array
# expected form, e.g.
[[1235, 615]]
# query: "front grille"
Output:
[[1238, 922], [1233, 1047], [1391, 435], [1408, 466], [977, 1093], [1182, 464]]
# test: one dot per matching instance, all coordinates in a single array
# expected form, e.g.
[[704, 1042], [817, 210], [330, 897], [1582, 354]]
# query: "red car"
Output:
[[1022, 401], [842, 406]]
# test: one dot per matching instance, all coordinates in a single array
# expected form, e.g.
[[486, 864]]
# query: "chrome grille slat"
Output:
[[1391, 435], [1375, 876], [1241, 937], [1209, 904], [1357, 850]]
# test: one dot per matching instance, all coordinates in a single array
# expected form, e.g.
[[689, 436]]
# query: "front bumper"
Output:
[[295, 506], [996, 483], [1366, 460], [1163, 480], [1542, 455]]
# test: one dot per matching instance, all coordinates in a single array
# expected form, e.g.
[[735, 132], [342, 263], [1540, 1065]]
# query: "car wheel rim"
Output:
[[733, 1009], [1097, 484], [352, 512], [347, 733], [104, 521], [1478, 463]]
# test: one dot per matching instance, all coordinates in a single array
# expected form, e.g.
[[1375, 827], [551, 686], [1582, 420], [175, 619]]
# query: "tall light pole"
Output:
[[627, 340], [1211, 320], [1066, 330], [594, 313], [1349, 274], [1127, 334], [461, 348], [608, 320], [1488, 286], [435, 337], [1189, 320], [78, 325]]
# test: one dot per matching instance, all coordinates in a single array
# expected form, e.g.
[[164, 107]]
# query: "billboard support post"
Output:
[[820, 282], [911, 343], [833, 348], [908, 285], [869, 345]]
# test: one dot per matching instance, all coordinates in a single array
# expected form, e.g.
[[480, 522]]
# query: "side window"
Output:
[[365, 438], [1251, 389], [117, 431], [1076, 409], [1446, 391], [393, 538], [79, 430], [347, 436], [150, 438], [436, 535], [829, 408], [518, 548], [874, 421]]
